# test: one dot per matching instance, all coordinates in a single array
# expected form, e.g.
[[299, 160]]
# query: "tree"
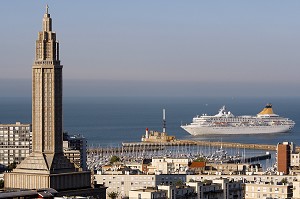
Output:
[[1, 184], [114, 159], [178, 183], [113, 194], [12, 166], [205, 181], [284, 181], [200, 159]]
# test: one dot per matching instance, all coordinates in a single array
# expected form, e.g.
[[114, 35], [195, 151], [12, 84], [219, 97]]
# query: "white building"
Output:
[[263, 190], [296, 189], [149, 193], [169, 165], [178, 191], [15, 143], [218, 188], [124, 183], [245, 178], [295, 159]]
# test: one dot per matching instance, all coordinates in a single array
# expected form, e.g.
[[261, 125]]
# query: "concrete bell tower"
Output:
[[46, 166]]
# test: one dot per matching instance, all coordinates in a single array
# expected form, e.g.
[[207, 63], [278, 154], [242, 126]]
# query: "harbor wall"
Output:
[[129, 146]]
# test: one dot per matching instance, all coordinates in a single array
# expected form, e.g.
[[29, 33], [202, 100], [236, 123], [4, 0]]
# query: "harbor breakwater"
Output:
[[269, 147], [150, 146], [203, 143]]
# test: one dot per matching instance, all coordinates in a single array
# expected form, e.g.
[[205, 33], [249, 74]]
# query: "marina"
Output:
[[214, 152], [153, 146]]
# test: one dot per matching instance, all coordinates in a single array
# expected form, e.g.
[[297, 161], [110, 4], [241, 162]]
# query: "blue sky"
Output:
[[169, 48]]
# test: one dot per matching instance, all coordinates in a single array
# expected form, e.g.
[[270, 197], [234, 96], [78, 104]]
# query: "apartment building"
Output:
[[15, 143], [295, 160], [181, 191], [126, 182], [75, 147], [254, 190], [245, 178], [168, 165], [284, 151], [148, 193]]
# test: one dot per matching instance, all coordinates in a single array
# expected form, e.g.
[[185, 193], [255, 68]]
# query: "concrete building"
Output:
[[263, 190], [197, 167], [206, 186], [231, 189], [284, 151], [296, 189], [246, 178], [148, 193], [15, 143], [181, 191], [75, 147], [226, 168], [46, 166], [211, 190], [124, 183], [295, 160], [169, 165], [198, 188], [218, 188]]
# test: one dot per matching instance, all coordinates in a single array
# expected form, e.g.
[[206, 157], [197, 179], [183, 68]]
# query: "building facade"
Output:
[[263, 190], [149, 193], [169, 165], [295, 160], [124, 183], [284, 151], [75, 149], [15, 143]]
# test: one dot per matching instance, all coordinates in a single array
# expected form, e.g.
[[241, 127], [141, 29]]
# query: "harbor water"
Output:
[[109, 121]]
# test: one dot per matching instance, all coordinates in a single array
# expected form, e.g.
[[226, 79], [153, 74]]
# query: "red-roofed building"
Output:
[[197, 167]]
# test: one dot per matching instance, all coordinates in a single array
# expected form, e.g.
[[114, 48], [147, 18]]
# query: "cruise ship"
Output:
[[226, 123]]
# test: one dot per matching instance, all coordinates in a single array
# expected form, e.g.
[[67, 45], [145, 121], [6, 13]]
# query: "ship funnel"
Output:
[[267, 110]]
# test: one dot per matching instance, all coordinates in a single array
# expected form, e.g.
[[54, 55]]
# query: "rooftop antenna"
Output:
[[164, 120]]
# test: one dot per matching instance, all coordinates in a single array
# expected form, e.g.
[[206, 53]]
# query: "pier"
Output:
[[125, 149], [203, 143], [252, 159], [153, 146], [269, 147]]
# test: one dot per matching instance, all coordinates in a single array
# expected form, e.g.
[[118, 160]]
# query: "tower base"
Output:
[[61, 181]]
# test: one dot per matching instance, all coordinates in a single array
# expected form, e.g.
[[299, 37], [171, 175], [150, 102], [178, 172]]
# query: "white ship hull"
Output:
[[200, 130], [226, 123]]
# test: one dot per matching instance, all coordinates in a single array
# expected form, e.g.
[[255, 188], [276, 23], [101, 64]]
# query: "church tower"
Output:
[[47, 94], [46, 166]]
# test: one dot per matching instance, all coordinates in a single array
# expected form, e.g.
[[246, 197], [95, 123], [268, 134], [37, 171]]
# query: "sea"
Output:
[[110, 121]]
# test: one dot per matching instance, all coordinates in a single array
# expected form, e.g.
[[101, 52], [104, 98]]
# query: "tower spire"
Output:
[[47, 7], [47, 21]]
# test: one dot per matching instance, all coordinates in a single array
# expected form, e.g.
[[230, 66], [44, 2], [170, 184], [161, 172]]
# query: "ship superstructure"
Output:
[[226, 123]]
